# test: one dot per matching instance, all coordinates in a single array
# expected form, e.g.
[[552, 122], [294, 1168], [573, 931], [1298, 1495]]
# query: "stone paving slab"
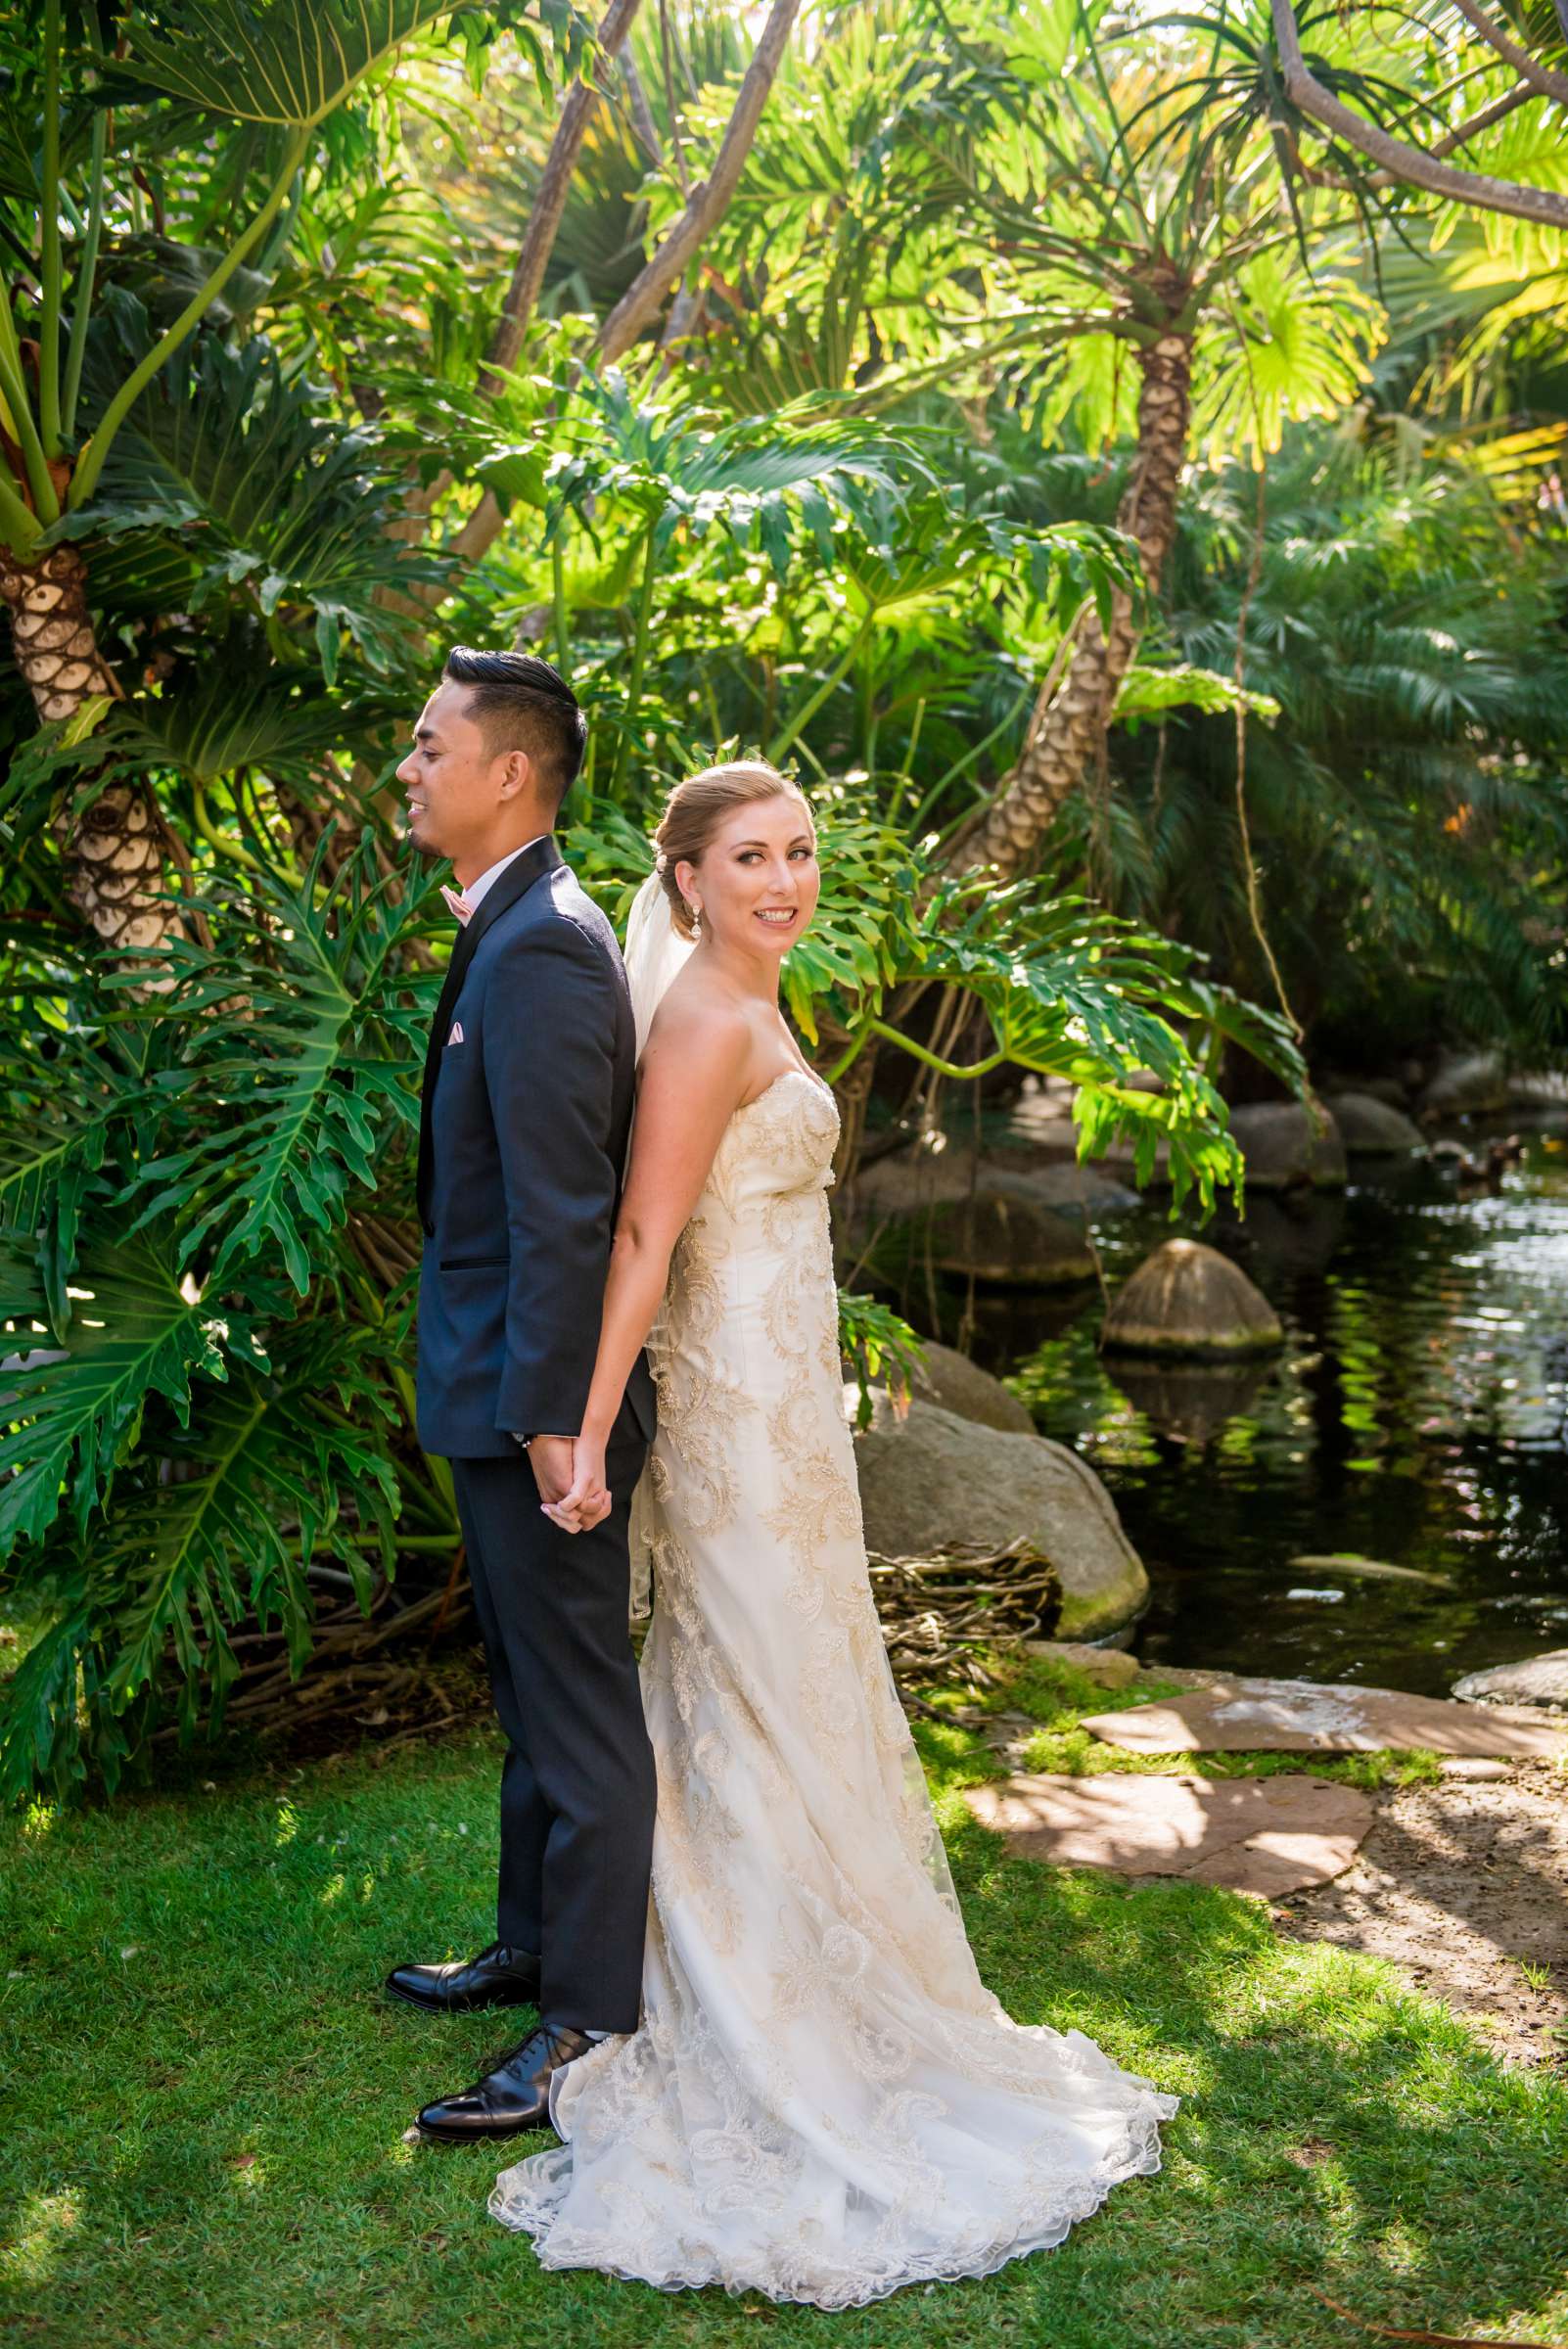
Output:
[[1306, 1716], [1269, 1836]]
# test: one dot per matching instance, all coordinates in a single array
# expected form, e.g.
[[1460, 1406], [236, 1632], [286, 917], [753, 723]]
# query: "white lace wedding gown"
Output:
[[824, 2101]]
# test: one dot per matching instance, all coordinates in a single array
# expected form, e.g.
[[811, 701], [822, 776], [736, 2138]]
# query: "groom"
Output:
[[524, 1120]]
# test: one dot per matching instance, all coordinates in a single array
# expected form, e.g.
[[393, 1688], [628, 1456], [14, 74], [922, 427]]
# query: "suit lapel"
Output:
[[540, 857]]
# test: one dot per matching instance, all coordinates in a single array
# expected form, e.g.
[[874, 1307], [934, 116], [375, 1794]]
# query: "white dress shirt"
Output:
[[492, 873]]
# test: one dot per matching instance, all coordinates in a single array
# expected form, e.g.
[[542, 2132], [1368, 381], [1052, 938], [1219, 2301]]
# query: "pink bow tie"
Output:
[[457, 905]]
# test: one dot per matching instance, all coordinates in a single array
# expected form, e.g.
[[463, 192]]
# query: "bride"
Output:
[[823, 2102]]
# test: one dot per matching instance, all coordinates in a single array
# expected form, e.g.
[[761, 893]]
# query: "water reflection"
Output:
[[1190, 1401], [1417, 1415]]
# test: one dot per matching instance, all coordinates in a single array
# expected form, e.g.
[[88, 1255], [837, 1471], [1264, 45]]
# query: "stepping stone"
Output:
[[1307, 1717], [1538, 1680], [1107, 1667], [1269, 1836]]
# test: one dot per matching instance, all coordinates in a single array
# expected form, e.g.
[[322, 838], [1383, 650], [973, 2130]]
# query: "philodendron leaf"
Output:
[[284, 62], [71, 1412]]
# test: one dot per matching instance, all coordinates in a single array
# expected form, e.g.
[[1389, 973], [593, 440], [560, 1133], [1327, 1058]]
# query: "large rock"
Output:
[[956, 1384], [1372, 1127], [1291, 1233], [1187, 1299], [1536, 1681], [1465, 1085], [1284, 1144], [1004, 1237], [1387, 1089], [909, 1181], [915, 1181], [1538, 1089], [1073, 1190], [931, 1480]]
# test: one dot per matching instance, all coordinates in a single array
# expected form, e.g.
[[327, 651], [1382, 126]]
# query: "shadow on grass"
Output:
[[206, 2141]]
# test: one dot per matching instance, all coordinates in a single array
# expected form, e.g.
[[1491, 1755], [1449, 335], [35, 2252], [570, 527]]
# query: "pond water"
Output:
[[1417, 1417]]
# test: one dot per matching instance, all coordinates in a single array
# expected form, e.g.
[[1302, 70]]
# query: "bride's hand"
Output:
[[587, 1501]]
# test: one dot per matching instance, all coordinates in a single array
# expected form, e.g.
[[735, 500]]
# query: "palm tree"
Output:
[[1020, 210], [1160, 291], [274, 73]]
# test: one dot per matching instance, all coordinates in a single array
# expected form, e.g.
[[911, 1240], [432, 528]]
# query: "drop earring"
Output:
[[696, 922]]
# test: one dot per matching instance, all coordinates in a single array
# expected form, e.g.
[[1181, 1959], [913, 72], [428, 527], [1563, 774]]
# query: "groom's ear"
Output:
[[516, 767]]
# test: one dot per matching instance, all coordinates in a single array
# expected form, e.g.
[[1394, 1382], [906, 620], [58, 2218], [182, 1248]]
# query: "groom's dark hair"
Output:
[[521, 703]]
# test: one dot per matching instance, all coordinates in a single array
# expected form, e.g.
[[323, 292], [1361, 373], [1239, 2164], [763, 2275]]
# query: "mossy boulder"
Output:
[[1467, 1085], [1186, 1299], [954, 1383], [1287, 1145], [1373, 1129], [932, 1482], [1004, 1238]]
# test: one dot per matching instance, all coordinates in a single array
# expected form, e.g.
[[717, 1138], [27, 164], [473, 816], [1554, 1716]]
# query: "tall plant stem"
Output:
[[961, 766], [906, 777], [558, 598], [86, 271], [814, 702], [217, 838], [49, 319], [85, 479], [906, 1043], [639, 658], [19, 525], [13, 384]]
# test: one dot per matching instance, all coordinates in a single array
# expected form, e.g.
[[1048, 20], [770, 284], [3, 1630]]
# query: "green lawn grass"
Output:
[[204, 2140]]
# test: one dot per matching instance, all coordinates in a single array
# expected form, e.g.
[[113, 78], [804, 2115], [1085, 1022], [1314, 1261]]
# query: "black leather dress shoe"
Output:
[[513, 2098], [496, 1977]]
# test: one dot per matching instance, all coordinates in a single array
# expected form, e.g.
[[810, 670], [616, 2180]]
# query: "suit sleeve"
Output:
[[549, 1064]]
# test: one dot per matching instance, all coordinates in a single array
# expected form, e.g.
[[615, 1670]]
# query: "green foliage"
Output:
[[1405, 803], [879, 1348], [301, 1040], [275, 63], [76, 1410], [240, 466], [847, 514], [214, 1529], [195, 1438]]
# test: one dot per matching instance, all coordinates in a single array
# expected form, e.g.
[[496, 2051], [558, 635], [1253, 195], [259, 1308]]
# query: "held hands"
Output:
[[570, 1473]]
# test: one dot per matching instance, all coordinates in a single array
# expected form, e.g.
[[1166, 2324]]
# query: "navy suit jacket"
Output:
[[524, 1121]]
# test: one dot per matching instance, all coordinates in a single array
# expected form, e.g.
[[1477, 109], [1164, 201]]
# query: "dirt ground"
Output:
[[1465, 1886]]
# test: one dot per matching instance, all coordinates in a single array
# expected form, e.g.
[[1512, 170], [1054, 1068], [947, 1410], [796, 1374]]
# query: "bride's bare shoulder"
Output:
[[702, 1040]]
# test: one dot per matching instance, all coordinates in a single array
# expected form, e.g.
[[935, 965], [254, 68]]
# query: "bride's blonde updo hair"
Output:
[[694, 811]]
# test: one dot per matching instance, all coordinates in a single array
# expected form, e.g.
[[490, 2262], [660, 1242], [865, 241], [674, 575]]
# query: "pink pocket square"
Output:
[[456, 1035]]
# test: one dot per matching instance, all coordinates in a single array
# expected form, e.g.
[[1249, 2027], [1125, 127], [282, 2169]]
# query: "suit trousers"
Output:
[[577, 1785]]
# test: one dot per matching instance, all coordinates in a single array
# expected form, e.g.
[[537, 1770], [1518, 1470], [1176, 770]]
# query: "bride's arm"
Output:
[[694, 1074]]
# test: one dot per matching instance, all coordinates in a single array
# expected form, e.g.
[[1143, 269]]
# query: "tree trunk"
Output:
[[708, 199], [52, 631], [1418, 167], [1071, 717], [549, 203], [640, 304], [116, 851]]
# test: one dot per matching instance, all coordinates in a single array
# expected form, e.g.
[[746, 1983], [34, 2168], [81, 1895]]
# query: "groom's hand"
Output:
[[587, 1501], [550, 1458]]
